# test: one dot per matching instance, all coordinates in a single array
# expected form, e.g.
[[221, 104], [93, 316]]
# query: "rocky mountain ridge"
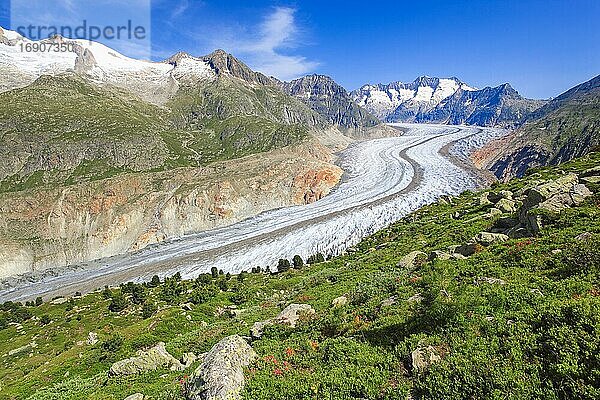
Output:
[[323, 95], [106, 154], [447, 101], [566, 127]]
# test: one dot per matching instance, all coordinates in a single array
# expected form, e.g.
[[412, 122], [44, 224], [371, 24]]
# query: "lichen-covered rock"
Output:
[[488, 238], [339, 301], [553, 196], [484, 200], [257, 328], [221, 374], [494, 211], [150, 360], [292, 313], [92, 338], [506, 206], [136, 396], [289, 316], [410, 260], [579, 193], [423, 357], [188, 359]]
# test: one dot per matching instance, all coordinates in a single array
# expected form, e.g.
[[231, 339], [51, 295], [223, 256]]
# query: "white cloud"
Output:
[[180, 8], [262, 47]]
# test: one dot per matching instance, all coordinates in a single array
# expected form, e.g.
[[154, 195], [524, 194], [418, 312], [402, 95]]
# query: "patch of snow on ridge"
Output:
[[152, 81], [10, 35]]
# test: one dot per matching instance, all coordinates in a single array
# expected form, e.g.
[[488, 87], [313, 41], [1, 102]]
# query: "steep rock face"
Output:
[[224, 63], [52, 227], [565, 128], [330, 100]]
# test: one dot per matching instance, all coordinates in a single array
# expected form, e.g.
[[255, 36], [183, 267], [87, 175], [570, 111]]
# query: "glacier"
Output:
[[384, 180]]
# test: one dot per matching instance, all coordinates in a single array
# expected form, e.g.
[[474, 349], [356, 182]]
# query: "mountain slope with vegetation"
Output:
[[93, 169], [485, 295], [565, 128]]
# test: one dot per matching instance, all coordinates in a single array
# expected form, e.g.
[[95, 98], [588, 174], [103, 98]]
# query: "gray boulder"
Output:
[[92, 338], [422, 357], [493, 212], [188, 359], [484, 199], [136, 396], [221, 374], [339, 301], [488, 238], [256, 331], [156, 357], [292, 313], [506, 206], [579, 193], [553, 196], [410, 260], [289, 316]]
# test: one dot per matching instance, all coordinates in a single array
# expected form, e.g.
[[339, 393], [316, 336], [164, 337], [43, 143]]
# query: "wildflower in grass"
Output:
[[290, 352], [270, 359]]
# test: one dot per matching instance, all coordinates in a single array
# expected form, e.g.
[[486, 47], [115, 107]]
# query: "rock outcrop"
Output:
[[563, 129], [150, 360], [423, 356], [221, 374], [288, 316], [292, 314], [551, 197], [411, 260]]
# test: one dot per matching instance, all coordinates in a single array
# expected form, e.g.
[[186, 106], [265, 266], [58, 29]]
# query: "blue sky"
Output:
[[541, 47]]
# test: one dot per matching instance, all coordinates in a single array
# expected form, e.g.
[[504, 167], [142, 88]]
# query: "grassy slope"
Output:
[[537, 336], [64, 130], [565, 128]]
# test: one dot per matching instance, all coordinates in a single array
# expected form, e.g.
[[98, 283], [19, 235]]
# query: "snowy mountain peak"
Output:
[[153, 81], [423, 93]]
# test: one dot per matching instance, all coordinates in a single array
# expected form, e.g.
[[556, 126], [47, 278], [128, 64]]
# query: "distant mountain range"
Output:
[[446, 101], [323, 95], [190, 111]]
